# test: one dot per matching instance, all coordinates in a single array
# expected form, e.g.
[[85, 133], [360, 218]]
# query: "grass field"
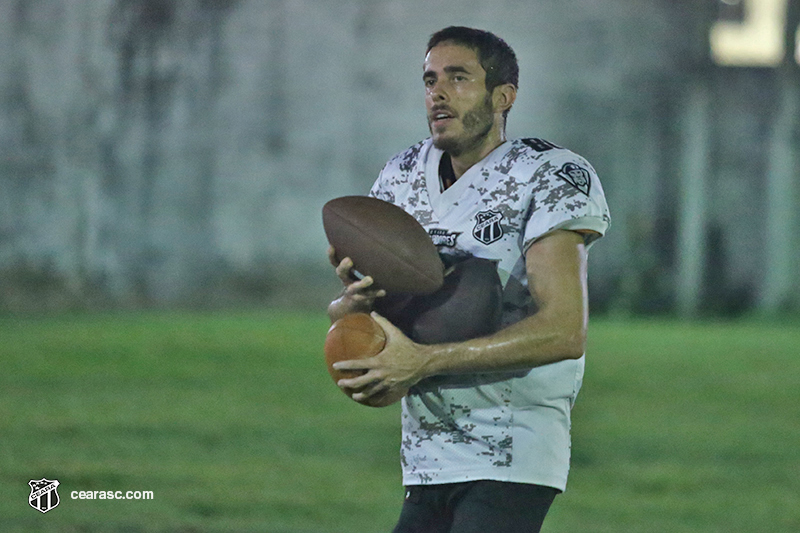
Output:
[[232, 421]]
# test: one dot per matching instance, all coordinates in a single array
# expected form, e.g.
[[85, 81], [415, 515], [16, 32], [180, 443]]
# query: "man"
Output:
[[486, 421]]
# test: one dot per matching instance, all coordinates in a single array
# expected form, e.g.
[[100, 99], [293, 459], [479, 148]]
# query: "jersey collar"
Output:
[[443, 201]]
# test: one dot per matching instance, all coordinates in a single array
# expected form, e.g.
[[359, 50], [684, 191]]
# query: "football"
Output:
[[356, 336], [469, 305], [384, 242]]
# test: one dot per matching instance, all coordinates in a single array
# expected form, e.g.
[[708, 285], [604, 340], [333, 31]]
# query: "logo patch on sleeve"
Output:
[[487, 228], [577, 176]]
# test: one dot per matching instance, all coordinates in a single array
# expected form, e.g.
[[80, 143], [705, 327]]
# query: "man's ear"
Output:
[[503, 97]]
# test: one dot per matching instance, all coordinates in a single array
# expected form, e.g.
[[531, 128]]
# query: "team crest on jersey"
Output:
[[44, 495], [442, 237], [487, 228], [575, 175]]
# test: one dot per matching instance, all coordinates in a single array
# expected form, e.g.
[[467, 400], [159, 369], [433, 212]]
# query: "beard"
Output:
[[477, 123]]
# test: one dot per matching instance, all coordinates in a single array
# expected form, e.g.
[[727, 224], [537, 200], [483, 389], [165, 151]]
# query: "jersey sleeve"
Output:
[[396, 173], [566, 194], [380, 188]]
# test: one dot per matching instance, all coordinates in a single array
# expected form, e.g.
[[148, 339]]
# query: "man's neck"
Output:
[[465, 160]]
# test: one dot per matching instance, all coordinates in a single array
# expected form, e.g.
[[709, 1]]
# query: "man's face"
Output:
[[460, 111]]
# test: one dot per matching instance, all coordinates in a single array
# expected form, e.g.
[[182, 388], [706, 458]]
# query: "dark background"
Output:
[[176, 153]]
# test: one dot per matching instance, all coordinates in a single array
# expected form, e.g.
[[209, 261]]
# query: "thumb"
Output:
[[388, 328]]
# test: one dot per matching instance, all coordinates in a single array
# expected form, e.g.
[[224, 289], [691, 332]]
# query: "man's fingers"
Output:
[[366, 298], [362, 290], [355, 288], [387, 326], [353, 364], [357, 383], [343, 269], [369, 391], [360, 285]]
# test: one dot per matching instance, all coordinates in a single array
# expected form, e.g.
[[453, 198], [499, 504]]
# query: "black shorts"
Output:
[[475, 506]]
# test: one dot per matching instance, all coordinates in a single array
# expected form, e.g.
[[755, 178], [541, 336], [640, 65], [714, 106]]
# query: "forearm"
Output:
[[538, 340], [557, 331]]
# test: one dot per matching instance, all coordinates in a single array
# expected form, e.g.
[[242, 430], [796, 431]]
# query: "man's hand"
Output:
[[556, 267], [358, 295], [400, 365]]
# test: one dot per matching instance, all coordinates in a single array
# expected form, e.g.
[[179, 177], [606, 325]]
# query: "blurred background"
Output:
[[177, 153]]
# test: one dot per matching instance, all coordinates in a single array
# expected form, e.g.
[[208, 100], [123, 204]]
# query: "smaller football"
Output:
[[384, 242], [356, 336]]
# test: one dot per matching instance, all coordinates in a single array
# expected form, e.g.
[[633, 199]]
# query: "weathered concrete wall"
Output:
[[172, 152]]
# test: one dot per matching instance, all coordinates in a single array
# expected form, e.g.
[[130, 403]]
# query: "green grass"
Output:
[[232, 421], [684, 428]]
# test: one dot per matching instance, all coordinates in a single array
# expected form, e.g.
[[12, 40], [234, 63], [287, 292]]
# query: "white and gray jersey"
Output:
[[501, 426]]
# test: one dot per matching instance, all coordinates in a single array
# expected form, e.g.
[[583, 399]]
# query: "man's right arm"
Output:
[[358, 295]]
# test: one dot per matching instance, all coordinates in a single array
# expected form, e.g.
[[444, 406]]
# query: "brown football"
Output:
[[469, 305], [356, 336], [384, 242]]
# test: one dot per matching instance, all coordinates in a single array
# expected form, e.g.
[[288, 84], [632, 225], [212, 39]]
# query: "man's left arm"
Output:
[[557, 278]]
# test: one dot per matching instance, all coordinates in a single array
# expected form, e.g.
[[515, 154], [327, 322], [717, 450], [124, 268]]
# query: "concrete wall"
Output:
[[178, 152]]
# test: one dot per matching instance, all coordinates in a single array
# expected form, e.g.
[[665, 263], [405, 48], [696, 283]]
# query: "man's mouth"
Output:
[[441, 117]]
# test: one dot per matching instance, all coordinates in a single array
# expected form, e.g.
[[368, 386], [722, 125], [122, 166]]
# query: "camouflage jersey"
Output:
[[500, 426]]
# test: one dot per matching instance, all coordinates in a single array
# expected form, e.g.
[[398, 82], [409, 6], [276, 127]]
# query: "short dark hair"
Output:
[[494, 54]]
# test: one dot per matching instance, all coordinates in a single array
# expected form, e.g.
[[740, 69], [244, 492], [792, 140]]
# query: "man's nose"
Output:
[[438, 92]]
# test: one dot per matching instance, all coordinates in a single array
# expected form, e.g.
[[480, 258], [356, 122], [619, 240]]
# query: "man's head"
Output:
[[470, 79], [495, 55]]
